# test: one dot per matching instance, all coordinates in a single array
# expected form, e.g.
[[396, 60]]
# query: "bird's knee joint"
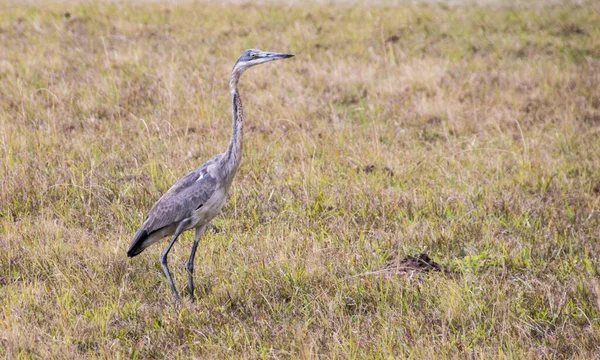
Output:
[[163, 259], [190, 267]]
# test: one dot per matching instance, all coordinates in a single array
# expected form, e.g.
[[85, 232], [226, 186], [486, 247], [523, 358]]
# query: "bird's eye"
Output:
[[253, 55]]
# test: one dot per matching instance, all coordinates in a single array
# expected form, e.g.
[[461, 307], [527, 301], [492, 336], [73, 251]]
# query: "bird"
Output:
[[198, 197]]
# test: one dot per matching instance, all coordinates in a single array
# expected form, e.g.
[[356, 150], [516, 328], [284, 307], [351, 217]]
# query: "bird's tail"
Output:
[[137, 245]]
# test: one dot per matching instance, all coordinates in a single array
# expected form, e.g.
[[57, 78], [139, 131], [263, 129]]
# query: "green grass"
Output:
[[482, 124]]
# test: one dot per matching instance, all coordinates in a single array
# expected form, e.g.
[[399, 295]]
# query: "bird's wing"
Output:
[[182, 199]]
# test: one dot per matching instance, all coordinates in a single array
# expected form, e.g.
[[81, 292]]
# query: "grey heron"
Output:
[[199, 196]]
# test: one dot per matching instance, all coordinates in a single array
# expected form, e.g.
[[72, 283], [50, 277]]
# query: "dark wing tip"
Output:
[[131, 253], [136, 245]]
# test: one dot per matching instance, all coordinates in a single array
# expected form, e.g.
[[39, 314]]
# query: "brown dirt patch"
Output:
[[410, 265]]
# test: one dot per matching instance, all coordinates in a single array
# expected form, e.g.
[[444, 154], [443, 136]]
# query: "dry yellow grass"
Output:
[[478, 127]]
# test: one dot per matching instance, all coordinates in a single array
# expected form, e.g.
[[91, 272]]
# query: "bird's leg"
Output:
[[163, 257], [190, 264]]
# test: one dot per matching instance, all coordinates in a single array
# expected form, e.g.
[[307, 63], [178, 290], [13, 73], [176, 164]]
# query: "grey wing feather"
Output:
[[183, 198]]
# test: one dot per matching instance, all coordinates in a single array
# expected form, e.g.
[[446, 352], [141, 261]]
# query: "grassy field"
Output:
[[469, 133]]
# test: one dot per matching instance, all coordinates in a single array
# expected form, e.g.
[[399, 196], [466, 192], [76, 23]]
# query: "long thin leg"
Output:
[[163, 257], [190, 264]]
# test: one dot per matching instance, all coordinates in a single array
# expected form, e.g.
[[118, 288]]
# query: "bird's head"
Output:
[[252, 57]]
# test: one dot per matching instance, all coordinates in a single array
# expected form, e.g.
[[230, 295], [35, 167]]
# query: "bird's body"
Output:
[[199, 196]]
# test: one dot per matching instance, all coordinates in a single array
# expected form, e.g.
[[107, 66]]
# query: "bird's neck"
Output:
[[233, 155]]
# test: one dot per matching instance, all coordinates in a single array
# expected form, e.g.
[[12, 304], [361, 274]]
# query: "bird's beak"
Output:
[[276, 56]]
